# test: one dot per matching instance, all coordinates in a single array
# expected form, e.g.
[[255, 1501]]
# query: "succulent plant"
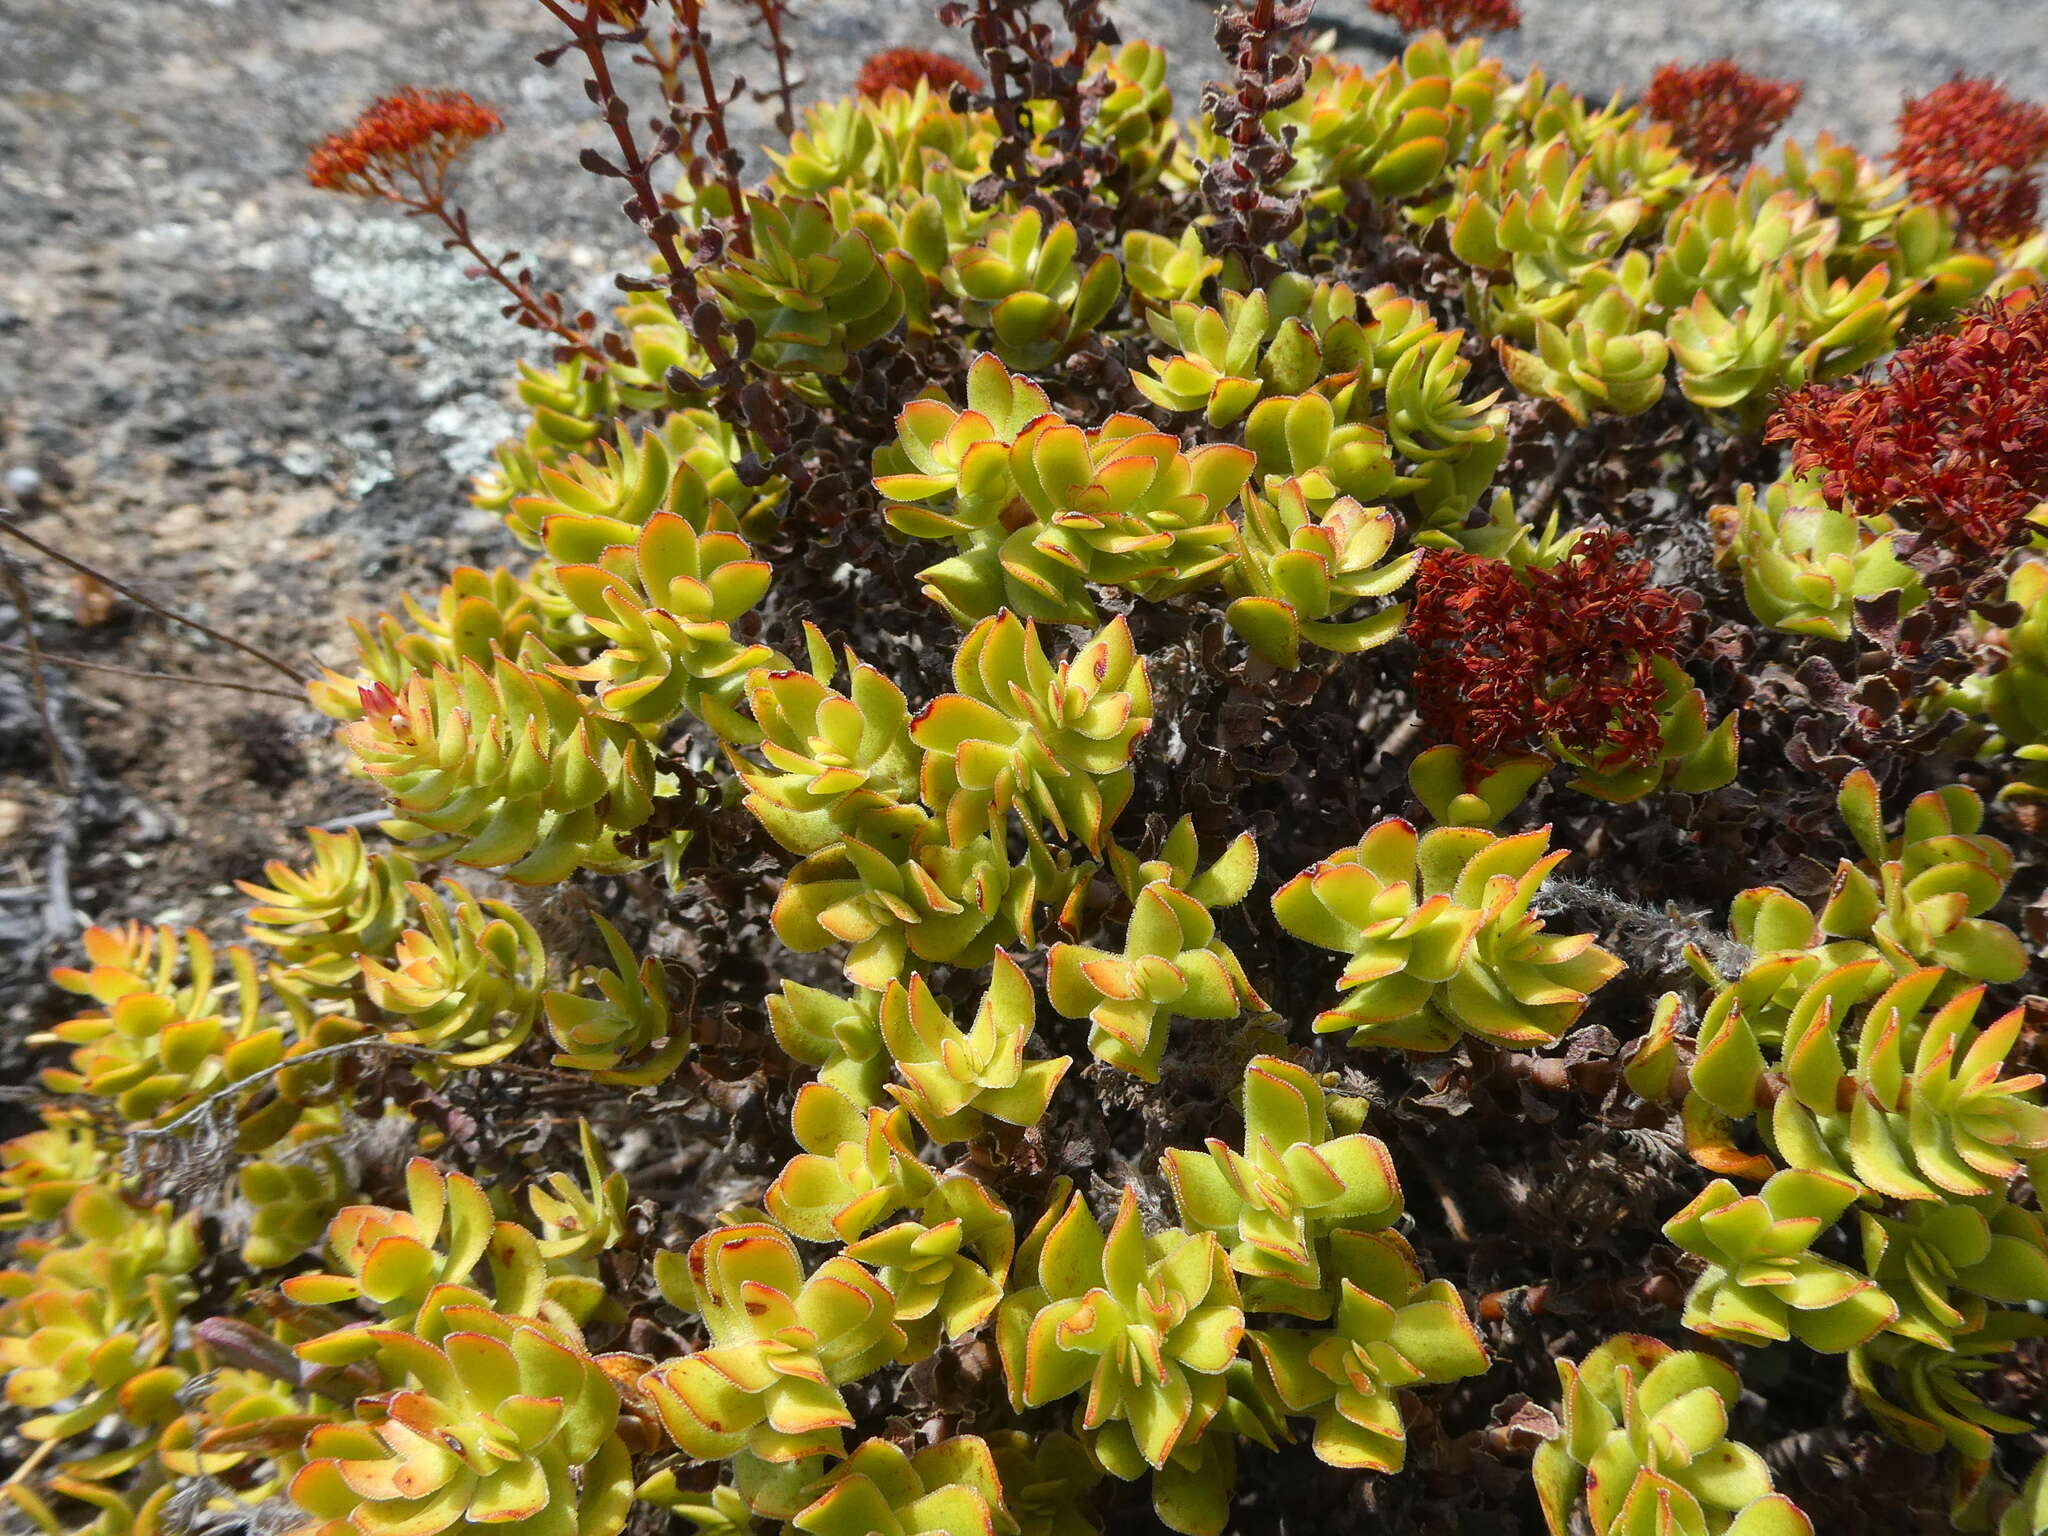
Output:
[[1172, 962], [911, 892], [766, 1387], [1688, 754], [882, 142], [89, 1326], [719, 1511], [840, 1036], [827, 758], [1533, 214], [1052, 741], [1941, 1262], [1046, 1482], [1390, 1331], [242, 1428], [2013, 695], [950, 1487], [1135, 117], [506, 767], [1120, 505], [1914, 900], [1301, 572], [812, 291], [1441, 939], [2027, 1514], [41, 1170], [1804, 564], [1162, 271], [1924, 1110], [1607, 359], [478, 615], [1920, 897], [465, 983], [495, 1422], [946, 1268], [393, 1258], [290, 1203], [1022, 284], [858, 1167], [1147, 1324], [1644, 1447], [346, 903], [1458, 792], [158, 1045], [1191, 1493], [1301, 438], [580, 1221], [1392, 131], [1273, 1203], [1921, 1394], [681, 468], [1314, 472], [1281, 339], [954, 1079], [628, 1033], [570, 408], [665, 606], [959, 454], [1762, 1282]]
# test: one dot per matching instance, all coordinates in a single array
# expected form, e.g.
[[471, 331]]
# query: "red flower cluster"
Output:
[[1453, 18], [1510, 658], [401, 147], [1976, 150], [904, 67], [1720, 114], [1952, 438]]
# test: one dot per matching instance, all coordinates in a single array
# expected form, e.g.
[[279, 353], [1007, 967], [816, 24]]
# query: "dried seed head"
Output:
[[1513, 656], [1953, 436], [1720, 115], [1454, 18], [902, 68], [1976, 149], [403, 146]]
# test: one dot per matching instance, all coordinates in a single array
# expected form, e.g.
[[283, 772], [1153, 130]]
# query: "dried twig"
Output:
[[148, 677], [39, 687], [8, 526]]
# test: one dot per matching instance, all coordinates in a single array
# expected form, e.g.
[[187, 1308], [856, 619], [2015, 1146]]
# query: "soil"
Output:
[[258, 404]]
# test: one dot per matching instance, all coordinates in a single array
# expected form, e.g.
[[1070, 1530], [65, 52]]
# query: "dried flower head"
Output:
[[1976, 149], [1952, 438], [1511, 657], [403, 146], [1453, 18], [902, 68], [1720, 114]]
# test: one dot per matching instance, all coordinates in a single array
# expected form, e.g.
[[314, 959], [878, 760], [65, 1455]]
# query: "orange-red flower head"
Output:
[[1977, 150], [402, 147], [1509, 658], [1952, 438], [902, 68], [1453, 18], [1720, 114]]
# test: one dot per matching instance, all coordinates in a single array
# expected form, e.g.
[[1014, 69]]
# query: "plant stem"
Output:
[[533, 311]]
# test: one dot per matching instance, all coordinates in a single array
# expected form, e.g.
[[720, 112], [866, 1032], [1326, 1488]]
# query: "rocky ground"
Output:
[[259, 404]]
